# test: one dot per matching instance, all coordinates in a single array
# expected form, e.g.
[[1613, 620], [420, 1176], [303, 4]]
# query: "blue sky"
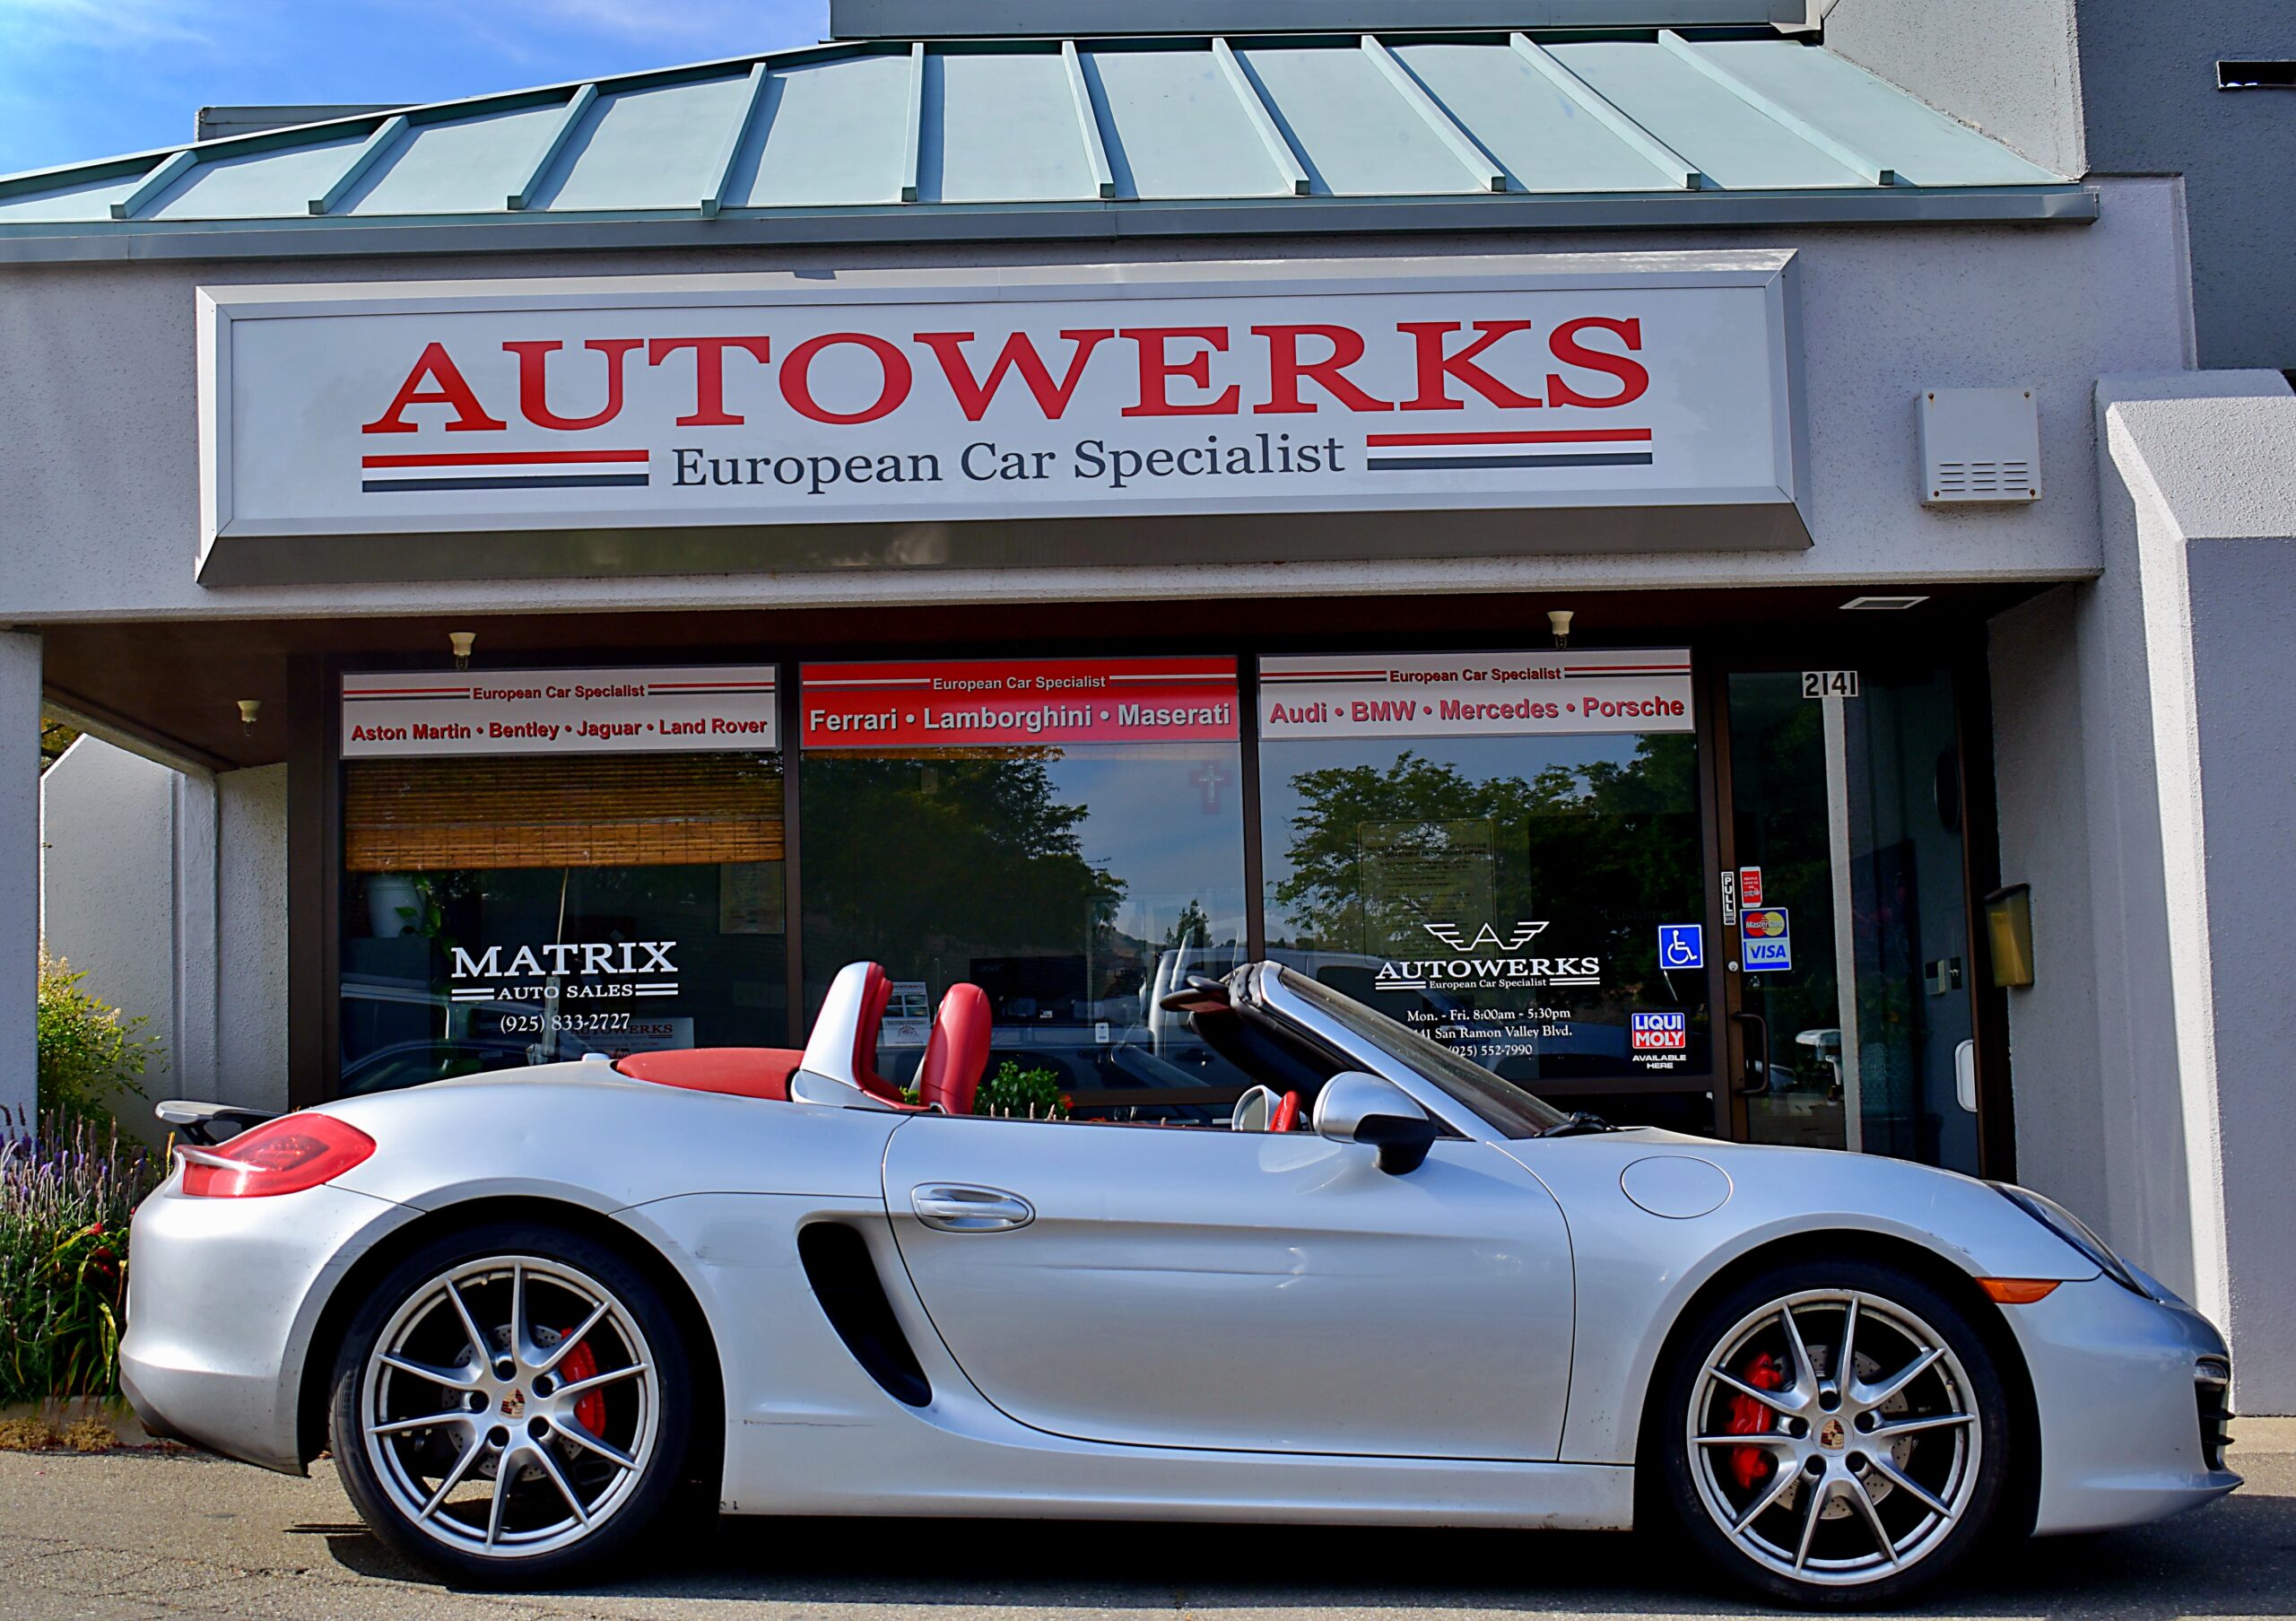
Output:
[[89, 78]]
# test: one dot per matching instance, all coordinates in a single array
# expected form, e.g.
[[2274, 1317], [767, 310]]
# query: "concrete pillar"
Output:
[[2147, 745], [20, 679]]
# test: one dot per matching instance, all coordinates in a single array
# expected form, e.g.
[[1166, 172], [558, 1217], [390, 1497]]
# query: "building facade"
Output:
[[1619, 534]]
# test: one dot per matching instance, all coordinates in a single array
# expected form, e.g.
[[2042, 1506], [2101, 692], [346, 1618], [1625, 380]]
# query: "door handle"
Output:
[[963, 1207], [1758, 1060]]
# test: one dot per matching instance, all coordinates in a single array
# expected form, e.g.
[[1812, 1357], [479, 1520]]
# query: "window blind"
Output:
[[656, 810]]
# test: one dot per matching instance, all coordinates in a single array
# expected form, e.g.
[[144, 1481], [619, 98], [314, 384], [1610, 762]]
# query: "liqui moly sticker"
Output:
[[957, 703], [1505, 694], [1659, 1032]]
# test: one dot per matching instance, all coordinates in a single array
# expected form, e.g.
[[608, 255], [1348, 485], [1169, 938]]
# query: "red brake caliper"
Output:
[[1747, 1417], [590, 1408]]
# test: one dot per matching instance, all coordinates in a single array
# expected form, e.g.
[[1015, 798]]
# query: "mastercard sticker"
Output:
[[1763, 922]]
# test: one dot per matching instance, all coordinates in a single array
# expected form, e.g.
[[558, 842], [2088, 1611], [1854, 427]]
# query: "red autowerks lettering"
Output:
[[1437, 371], [1634, 379], [1285, 369], [534, 382], [797, 378], [709, 374], [437, 367], [1158, 369], [1019, 354]]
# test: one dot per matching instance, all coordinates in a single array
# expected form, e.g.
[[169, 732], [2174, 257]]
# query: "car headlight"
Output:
[[2074, 1231]]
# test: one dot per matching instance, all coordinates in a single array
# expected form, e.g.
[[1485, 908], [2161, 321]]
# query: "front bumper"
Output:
[[2121, 1423], [224, 1295]]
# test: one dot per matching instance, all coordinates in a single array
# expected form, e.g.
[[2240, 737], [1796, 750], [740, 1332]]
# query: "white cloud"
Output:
[[107, 24]]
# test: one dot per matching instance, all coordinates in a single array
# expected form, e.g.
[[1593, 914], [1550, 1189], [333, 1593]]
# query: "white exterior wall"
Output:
[[99, 461], [169, 891]]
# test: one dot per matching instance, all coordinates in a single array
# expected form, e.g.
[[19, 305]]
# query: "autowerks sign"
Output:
[[873, 416]]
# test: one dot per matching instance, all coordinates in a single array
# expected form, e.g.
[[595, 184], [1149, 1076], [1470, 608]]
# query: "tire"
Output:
[[1832, 1501], [548, 1457]]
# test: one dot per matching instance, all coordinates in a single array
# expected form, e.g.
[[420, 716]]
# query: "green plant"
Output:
[[89, 1059], [1027, 1094], [67, 1193]]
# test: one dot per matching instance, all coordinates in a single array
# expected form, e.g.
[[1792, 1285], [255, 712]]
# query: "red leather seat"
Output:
[[759, 1072], [875, 996], [958, 1051]]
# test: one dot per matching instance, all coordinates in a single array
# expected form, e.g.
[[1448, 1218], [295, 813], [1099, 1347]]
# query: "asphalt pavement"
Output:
[[128, 1536]]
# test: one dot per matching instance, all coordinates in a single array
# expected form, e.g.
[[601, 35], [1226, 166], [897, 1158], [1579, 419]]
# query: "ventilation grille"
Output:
[[1979, 445]]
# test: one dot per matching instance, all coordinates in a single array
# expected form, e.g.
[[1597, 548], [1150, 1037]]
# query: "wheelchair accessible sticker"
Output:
[[1682, 945], [1767, 946]]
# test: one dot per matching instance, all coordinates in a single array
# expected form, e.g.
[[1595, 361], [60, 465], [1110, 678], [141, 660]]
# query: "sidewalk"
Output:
[[130, 1537]]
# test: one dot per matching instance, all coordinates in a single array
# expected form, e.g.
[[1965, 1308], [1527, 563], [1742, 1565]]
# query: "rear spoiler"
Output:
[[210, 1123]]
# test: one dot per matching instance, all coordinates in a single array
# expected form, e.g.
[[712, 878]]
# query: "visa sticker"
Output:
[[1767, 946]]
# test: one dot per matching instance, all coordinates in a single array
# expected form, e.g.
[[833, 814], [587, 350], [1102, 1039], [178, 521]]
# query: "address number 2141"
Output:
[[1828, 683]]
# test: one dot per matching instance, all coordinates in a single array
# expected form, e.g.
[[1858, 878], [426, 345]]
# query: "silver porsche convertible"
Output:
[[527, 1312]]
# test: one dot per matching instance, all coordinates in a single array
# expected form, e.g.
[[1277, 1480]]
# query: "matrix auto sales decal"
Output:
[[609, 711], [1022, 700], [1512, 694], [1662, 379], [550, 975]]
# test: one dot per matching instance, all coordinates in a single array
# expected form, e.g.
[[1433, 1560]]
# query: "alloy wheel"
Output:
[[1835, 1438], [509, 1407]]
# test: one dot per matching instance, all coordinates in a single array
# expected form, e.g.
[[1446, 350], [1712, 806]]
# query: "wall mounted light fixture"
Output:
[[461, 641], [1558, 620], [249, 708]]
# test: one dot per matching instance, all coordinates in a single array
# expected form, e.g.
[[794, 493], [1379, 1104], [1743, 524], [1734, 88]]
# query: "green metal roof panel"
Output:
[[1354, 133], [1175, 127], [464, 165], [647, 148], [1923, 145], [1002, 127], [830, 133], [1545, 141], [261, 186], [890, 140], [1736, 145]]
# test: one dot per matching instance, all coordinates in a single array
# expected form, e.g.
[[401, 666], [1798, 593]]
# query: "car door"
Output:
[[1168, 1286]]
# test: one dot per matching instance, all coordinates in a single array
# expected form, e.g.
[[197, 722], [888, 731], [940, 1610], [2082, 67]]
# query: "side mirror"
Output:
[[1355, 1107]]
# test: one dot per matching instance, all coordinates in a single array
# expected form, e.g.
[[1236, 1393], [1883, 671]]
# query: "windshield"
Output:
[[1500, 1104]]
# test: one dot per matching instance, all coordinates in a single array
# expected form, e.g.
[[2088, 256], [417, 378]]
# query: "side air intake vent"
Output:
[[845, 1280]]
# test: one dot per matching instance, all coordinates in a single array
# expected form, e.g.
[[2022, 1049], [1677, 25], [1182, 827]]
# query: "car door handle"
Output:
[[963, 1207]]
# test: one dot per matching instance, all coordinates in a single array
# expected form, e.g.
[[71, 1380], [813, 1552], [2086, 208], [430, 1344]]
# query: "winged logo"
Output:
[[1455, 936]]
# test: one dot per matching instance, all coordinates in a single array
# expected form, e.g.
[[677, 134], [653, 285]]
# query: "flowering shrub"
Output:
[[89, 1061], [67, 1192]]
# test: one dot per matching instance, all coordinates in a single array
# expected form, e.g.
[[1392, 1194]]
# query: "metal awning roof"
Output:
[[1033, 138]]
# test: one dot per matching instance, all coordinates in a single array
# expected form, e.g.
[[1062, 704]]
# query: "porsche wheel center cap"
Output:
[[515, 1404], [1831, 1435]]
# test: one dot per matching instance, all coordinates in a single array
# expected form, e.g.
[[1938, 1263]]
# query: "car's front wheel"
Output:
[[1835, 1434], [511, 1403]]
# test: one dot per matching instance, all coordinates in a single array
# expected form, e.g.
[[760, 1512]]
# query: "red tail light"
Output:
[[286, 1155]]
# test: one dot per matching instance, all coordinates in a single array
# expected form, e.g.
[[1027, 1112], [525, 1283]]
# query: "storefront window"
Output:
[[1488, 847], [540, 864], [1067, 835]]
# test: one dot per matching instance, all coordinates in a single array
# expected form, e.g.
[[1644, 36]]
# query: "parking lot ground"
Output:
[[128, 1536]]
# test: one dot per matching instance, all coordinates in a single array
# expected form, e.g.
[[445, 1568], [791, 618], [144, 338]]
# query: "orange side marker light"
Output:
[[2017, 1290]]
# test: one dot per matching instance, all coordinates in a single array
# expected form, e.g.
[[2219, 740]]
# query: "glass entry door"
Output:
[[1854, 998]]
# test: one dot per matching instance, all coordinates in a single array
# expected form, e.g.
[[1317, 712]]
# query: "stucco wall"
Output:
[[99, 460], [19, 869], [2152, 107], [251, 938], [2009, 67]]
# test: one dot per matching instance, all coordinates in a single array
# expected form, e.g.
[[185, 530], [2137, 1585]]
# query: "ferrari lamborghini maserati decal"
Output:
[[1003, 702]]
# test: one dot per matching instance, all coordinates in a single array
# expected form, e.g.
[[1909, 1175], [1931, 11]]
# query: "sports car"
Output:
[[526, 1311]]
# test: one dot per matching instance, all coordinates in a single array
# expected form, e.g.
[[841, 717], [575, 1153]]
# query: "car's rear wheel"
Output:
[[1834, 1433], [511, 1403]]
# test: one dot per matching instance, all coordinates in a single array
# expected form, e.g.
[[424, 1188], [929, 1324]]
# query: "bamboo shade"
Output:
[[658, 810]]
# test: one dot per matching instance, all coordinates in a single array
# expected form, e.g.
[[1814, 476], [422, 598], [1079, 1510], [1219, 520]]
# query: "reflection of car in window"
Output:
[[416, 1063]]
